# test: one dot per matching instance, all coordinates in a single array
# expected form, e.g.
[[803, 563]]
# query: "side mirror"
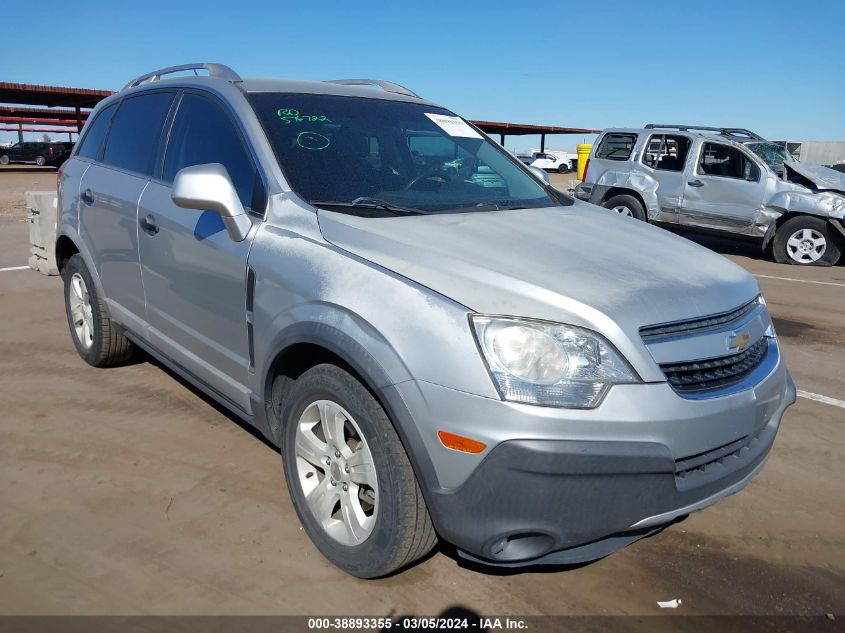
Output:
[[208, 187], [540, 173]]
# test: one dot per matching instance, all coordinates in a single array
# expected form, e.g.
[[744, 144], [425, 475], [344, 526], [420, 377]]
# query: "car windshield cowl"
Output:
[[400, 157], [368, 203]]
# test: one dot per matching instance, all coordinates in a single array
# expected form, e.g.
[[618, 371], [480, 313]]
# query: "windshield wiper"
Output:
[[369, 203]]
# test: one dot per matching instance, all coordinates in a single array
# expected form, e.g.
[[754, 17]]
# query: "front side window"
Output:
[[726, 161], [136, 130], [93, 139], [666, 152], [616, 146], [390, 155], [203, 133]]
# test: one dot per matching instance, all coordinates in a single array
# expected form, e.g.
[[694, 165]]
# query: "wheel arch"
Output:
[[623, 191], [304, 345], [65, 249], [836, 224]]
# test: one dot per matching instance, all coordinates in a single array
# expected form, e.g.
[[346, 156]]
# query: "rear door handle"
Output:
[[87, 197], [148, 225], [695, 183]]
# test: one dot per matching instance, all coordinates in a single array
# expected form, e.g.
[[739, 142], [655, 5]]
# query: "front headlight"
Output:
[[549, 364]]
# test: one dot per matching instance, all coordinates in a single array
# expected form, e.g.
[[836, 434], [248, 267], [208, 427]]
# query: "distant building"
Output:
[[817, 152]]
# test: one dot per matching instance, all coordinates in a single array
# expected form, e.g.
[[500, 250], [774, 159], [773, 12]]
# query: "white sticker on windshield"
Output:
[[453, 125]]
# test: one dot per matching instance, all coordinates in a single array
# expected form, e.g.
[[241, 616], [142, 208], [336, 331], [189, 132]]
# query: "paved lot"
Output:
[[124, 491]]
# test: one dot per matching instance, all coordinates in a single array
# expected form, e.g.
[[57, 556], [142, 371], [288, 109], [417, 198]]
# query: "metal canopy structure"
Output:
[[65, 107], [523, 129], [70, 107]]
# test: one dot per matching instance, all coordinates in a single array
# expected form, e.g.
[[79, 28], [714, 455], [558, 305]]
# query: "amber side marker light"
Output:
[[460, 443]]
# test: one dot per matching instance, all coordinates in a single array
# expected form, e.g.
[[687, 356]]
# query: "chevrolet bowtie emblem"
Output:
[[739, 341]]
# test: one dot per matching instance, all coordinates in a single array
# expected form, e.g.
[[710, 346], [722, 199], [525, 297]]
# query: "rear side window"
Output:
[[666, 152], [616, 146], [136, 130], [204, 133], [93, 139]]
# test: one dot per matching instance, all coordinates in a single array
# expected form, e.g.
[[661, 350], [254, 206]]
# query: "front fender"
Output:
[[350, 338], [823, 204]]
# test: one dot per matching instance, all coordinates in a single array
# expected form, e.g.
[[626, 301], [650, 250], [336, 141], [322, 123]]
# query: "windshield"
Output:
[[773, 155], [377, 153]]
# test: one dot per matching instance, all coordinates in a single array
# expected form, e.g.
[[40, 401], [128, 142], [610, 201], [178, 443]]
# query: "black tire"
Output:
[[402, 532], [781, 246], [40, 161], [107, 345], [563, 168], [4, 159], [629, 202]]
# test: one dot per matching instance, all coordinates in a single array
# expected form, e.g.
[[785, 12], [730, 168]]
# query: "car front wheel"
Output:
[[349, 477], [806, 240]]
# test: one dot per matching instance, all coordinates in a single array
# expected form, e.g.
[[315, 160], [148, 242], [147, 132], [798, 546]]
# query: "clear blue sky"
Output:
[[775, 67]]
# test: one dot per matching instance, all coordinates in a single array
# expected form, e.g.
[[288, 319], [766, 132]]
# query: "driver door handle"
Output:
[[695, 183], [148, 225]]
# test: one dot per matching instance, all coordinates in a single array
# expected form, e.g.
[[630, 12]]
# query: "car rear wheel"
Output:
[[40, 161], [349, 477], [627, 206], [95, 336], [806, 241]]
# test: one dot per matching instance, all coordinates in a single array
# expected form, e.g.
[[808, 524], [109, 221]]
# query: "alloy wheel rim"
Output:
[[621, 209], [336, 473], [80, 311], [806, 246]]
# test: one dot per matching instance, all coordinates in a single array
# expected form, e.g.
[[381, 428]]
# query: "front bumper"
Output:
[[544, 499]]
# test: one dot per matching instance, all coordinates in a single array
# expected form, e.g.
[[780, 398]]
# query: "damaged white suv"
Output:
[[711, 179]]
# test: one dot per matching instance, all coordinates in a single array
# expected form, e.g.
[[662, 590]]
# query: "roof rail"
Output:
[[387, 86], [724, 131], [214, 70]]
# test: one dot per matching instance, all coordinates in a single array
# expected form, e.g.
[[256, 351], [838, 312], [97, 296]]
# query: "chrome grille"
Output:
[[697, 326], [715, 373]]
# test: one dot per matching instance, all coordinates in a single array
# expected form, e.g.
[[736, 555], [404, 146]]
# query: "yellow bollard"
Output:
[[583, 151]]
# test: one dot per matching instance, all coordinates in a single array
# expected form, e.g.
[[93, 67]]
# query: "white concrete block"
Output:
[[43, 214]]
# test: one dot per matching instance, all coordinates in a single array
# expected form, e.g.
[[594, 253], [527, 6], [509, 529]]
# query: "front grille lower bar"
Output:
[[715, 373]]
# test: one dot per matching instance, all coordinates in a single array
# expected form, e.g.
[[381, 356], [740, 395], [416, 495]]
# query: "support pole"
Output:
[[78, 120], [542, 143], [502, 140]]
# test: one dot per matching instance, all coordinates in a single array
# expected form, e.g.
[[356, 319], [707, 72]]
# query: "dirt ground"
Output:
[[123, 491]]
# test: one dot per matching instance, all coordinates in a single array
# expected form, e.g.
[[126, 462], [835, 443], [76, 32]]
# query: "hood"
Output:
[[581, 264], [822, 177]]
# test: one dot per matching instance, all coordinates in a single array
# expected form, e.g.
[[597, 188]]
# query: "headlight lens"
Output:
[[550, 364]]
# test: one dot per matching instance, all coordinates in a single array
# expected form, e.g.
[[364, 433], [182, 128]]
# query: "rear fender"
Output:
[[638, 182]]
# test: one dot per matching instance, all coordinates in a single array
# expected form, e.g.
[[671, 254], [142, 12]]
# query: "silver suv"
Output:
[[496, 365], [725, 180]]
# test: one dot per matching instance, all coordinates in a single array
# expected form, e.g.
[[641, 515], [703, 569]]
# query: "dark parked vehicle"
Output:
[[38, 152]]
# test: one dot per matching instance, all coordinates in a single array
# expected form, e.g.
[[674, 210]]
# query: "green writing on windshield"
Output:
[[312, 141], [289, 116]]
